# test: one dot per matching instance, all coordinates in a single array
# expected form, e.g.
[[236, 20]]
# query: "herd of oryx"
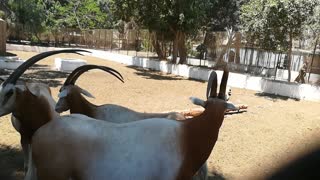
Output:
[[109, 141]]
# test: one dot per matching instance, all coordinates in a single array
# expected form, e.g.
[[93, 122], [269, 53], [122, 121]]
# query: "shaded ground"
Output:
[[252, 144]]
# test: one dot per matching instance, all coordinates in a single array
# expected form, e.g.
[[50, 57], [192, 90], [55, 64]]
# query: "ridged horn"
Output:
[[212, 85], [75, 74], [223, 84], [24, 66]]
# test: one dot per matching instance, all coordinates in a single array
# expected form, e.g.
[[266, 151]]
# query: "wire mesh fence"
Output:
[[203, 49]]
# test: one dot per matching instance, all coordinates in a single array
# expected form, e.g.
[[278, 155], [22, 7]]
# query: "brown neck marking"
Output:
[[78, 104], [32, 111], [199, 137]]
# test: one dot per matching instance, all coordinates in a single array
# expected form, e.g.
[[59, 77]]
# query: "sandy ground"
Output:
[[251, 145]]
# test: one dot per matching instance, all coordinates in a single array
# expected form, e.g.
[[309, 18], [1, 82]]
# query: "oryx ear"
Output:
[[86, 93], [198, 101], [33, 88], [232, 107]]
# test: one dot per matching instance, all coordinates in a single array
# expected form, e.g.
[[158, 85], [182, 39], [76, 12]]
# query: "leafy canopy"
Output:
[[273, 22]]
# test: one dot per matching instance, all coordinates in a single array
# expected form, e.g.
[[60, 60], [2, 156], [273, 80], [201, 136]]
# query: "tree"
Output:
[[223, 15], [28, 16], [85, 14], [175, 19], [314, 25], [276, 23]]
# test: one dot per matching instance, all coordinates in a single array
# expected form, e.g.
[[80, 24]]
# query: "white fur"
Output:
[[118, 114], [137, 150]]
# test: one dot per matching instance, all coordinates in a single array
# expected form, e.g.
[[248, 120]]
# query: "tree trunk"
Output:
[[175, 49], [210, 42], [182, 47], [238, 44], [156, 45], [314, 52], [289, 57], [220, 61], [3, 37]]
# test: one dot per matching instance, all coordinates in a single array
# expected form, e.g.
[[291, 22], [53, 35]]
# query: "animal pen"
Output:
[[242, 56]]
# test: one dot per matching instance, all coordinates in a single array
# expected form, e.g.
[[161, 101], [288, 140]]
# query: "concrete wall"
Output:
[[68, 65], [10, 62], [292, 90], [3, 36]]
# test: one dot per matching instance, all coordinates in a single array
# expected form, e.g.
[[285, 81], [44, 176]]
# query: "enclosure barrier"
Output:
[[292, 90]]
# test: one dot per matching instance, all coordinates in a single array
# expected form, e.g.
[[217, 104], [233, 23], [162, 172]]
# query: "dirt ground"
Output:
[[251, 145]]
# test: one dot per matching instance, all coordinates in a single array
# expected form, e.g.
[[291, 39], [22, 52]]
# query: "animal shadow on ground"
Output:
[[8, 54], [39, 66], [273, 97], [4, 72], [39, 74], [46, 76], [150, 74], [11, 163]]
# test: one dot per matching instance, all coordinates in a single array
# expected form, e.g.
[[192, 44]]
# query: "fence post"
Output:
[[148, 43], [314, 52], [111, 40], [105, 39], [3, 37]]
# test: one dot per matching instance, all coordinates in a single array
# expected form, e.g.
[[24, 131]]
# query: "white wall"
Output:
[[10, 62], [292, 90]]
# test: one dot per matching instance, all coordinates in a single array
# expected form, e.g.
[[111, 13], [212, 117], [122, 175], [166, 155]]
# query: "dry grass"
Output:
[[252, 144]]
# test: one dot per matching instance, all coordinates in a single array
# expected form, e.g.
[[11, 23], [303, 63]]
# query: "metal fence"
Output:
[[139, 43]]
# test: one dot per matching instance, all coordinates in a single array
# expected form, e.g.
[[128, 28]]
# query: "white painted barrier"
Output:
[[10, 62], [246, 81], [68, 65]]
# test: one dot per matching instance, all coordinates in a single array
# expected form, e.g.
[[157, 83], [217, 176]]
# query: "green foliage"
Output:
[[164, 15], [276, 23], [28, 14], [272, 22], [314, 21], [85, 14], [223, 14], [124, 9]]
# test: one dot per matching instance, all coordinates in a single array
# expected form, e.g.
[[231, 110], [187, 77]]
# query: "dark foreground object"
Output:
[[306, 167]]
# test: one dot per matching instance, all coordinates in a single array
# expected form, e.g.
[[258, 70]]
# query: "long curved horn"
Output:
[[72, 78], [23, 67], [104, 68], [223, 84], [212, 85]]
